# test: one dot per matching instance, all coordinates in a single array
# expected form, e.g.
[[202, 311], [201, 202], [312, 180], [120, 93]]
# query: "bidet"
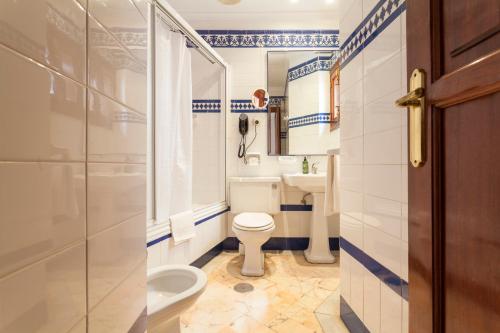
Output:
[[172, 289]]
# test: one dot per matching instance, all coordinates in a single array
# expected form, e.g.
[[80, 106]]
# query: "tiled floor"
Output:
[[293, 296]]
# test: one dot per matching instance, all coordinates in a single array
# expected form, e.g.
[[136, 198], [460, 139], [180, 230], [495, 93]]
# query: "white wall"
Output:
[[209, 139], [248, 73], [374, 196], [208, 235], [72, 199], [308, 95]]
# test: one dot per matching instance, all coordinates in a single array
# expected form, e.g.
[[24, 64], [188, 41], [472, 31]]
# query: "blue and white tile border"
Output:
[[271, 38], [391, 279], [309, 119], [198, 222], [320, 63], [207, 105], [379, 18], [245, 106]]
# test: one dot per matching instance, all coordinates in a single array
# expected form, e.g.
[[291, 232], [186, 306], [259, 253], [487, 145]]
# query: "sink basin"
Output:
[[310, 182], [318, 250]]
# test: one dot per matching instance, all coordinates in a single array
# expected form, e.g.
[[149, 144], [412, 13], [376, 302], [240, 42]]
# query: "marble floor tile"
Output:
[[292, 296]]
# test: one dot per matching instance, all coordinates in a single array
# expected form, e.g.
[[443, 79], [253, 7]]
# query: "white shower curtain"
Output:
[[173, 129]]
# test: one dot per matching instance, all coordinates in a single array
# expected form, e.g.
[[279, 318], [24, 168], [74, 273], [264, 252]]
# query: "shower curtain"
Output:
[[173, 118]]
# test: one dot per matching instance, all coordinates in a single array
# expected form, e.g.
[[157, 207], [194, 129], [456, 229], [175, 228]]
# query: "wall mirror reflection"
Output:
[[303, 111]]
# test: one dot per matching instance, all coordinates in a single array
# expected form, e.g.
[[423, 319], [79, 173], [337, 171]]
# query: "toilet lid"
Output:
[[253, 220]]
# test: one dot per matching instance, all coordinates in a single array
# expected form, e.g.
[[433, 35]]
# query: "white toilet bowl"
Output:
[[253, 230], [172, 289]]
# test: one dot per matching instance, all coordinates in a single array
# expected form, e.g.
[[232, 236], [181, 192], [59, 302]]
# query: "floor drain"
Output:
[[243, 287]]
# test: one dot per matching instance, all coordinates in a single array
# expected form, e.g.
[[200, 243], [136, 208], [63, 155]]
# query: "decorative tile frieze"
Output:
[[245, 106], [207, 105], [381, 16], [271, 38], [320, 63], [310, 119]]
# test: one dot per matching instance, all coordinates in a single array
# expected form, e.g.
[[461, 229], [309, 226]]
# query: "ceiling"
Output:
[[259, 14]]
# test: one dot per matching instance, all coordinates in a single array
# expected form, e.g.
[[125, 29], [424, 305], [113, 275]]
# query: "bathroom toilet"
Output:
[[172, 289], [253, 201]]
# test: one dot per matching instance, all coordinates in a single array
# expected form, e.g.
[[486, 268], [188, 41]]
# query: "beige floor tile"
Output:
[[285, 299]]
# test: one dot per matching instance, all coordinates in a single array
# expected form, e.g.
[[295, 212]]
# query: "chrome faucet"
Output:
[[314, 167]]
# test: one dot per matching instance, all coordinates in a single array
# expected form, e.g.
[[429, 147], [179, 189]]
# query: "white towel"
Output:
[[332, 191], [182, 226]]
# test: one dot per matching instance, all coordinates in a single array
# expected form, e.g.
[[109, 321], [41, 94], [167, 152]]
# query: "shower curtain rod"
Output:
[[176, 26]]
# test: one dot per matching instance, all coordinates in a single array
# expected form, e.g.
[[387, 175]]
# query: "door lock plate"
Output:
[[415, 102]]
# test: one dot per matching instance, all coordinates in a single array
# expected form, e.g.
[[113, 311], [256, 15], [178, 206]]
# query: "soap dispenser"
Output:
[[305, 166]]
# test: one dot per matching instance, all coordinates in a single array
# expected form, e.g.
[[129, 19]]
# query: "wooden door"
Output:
[[454, 198]]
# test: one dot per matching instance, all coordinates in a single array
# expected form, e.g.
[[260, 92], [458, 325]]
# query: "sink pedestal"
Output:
[[318, 251]]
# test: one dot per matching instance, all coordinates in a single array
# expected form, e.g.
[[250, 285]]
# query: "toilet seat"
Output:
[[253, 221]]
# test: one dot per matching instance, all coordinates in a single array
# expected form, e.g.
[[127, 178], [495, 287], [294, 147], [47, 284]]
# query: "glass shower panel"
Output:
[[208, 131]]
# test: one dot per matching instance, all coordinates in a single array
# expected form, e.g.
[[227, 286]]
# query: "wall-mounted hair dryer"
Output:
[[243, 128]]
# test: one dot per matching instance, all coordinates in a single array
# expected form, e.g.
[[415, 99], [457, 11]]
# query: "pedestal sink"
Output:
[[318, 251]]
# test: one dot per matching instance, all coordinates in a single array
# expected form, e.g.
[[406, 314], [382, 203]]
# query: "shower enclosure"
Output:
[[186, 140]]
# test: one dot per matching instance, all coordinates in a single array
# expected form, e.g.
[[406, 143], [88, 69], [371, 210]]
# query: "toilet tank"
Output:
[[255, 194]]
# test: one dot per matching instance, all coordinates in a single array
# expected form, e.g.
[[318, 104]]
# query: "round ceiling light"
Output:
[[229, 2]]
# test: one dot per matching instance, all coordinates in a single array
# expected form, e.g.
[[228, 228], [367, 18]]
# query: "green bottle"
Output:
[[305, 166]]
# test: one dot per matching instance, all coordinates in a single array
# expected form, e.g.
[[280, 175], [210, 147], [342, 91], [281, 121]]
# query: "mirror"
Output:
[[303, 110], [260, 98]]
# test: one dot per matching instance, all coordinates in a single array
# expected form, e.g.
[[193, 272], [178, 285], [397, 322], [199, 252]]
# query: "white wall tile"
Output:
[[405, 318], [351, 204], [368, 6], [54, 294], [129, 18], [357, 288], [40, 36], [383, 79], [352, 151], [376, 162], [383, 248], [404, 183], [42, 210], [352, 230], [352, 178], [112, 254], [381, 114], [81, 327], [154, 256], [352, 73], [371, 301], [381, 49], [116, 192], [404, 260], [115, 133], [350, 19], [48, 123], [120, 309], [404, 222], [352, 111], [390, 310], [345, 275], [383, 181], [383, 214], [113, 71], [383, 147]]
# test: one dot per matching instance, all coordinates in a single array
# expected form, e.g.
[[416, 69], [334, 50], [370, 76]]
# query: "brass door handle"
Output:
[[415, 102], [412, 98]]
